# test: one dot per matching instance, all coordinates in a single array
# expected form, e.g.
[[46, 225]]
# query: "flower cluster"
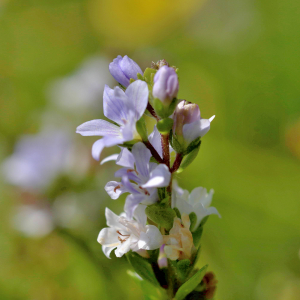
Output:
[[158, 214]]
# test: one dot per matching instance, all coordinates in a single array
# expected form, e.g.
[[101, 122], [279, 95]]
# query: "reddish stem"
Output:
[[152, 111], [153, 152], [177, 162], [166, 149]]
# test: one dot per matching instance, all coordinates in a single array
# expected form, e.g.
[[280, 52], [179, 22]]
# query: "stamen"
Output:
[[117, 187], [132, 170], [145, 191], [122, 234]]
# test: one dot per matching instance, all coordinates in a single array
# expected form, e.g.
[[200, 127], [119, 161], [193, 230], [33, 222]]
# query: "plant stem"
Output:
[[177, 162], [165, 149], [152, 111], [153, 152]]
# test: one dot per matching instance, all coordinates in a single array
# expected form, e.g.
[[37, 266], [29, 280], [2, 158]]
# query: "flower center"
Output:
[[125, 237]]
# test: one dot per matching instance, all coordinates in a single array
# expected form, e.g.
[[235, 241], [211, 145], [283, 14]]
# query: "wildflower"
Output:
[[166, 85], [122, 69], [140, 177], [123, 108], [125, 234], [198, 201], [188, 124], [179, 242]]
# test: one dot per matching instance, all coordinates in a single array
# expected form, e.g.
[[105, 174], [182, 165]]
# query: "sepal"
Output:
[[149, 75], [161, 214], [142, 267], [191, 284], [188, 159]]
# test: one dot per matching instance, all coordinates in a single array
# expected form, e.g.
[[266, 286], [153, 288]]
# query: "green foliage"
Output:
[[142, 129], [193, 219], [161, 214], [191, 284], [188, 159], [148, 75], [142, 267], [197, 234]]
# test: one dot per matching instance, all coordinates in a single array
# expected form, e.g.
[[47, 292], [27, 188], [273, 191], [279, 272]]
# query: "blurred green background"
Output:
[[238, 60]]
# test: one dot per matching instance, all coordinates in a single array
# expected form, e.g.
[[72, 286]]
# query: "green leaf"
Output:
[[193, 219], [150, 292], [183, 268], [140, 76], [193, 145], [142, 267], [142, 129], [165, 125], [161, 214], [148, 75], [197, 234], [172, 106], [175, 143], [178, 214], [188, 159], [191, 284]]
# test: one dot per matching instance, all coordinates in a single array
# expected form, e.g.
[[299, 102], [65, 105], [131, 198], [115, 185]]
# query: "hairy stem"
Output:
[[153, 152], [152, 111], [165, 149], [177, 162]]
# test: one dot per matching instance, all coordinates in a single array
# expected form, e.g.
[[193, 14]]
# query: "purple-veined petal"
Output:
[[130, 187], [128, 130], [131, 203], [125, 159], [130, 67], [109, 158], [142, 157], [114, 104], [159, 177], [98, 127], [107, 141], [114, 189], [116, 71], [137, 93], [131, 173], [155, 141]]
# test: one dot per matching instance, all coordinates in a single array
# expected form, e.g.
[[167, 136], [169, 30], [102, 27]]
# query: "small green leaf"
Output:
[[142, 267], [165, 125], [161, 214], [193, 145], [188, 159], [142, 129], [175, 143], [193, 219], [131, 80], [178, 214], [172, 106], [140, 76], [148, 75], [183, 269], [191, 284], [197, 234], [158, 107]]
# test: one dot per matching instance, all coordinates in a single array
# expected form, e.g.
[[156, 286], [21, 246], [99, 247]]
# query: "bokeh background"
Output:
[[237, 59]]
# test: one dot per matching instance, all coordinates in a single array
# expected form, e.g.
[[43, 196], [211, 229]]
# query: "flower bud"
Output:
[[185, 113], [166, 85], [162, 260], [122, 69]]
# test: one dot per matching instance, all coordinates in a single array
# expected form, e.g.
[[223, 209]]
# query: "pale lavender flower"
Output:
[[140, 177], [123, 69], [80, 91], [123, 108], [127, 234], [188, 123], [166, 85], [38, 159], [33, 221]]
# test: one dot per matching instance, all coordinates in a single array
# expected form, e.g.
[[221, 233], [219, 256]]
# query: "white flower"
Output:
[[198, 201], [125, 234]]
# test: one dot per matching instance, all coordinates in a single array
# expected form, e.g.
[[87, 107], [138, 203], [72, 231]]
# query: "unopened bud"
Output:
[[166, 85], [185, 113], [162, 258], [123, 69]]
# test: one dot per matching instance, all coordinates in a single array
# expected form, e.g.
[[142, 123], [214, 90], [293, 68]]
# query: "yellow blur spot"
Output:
[[131, 23]]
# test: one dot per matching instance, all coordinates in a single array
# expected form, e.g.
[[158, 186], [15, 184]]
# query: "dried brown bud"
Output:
[[159, 64]]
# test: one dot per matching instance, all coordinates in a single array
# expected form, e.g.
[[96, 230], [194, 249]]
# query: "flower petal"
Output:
[[109, 158], [150, 240], [142, 157], [98, 127], [131, 204], [131, 173], [155, 141], [125, 159], [159, 177], [107, 141], [114, 104], [108, 237], [114, 189], [137, 93], [107, 250]]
